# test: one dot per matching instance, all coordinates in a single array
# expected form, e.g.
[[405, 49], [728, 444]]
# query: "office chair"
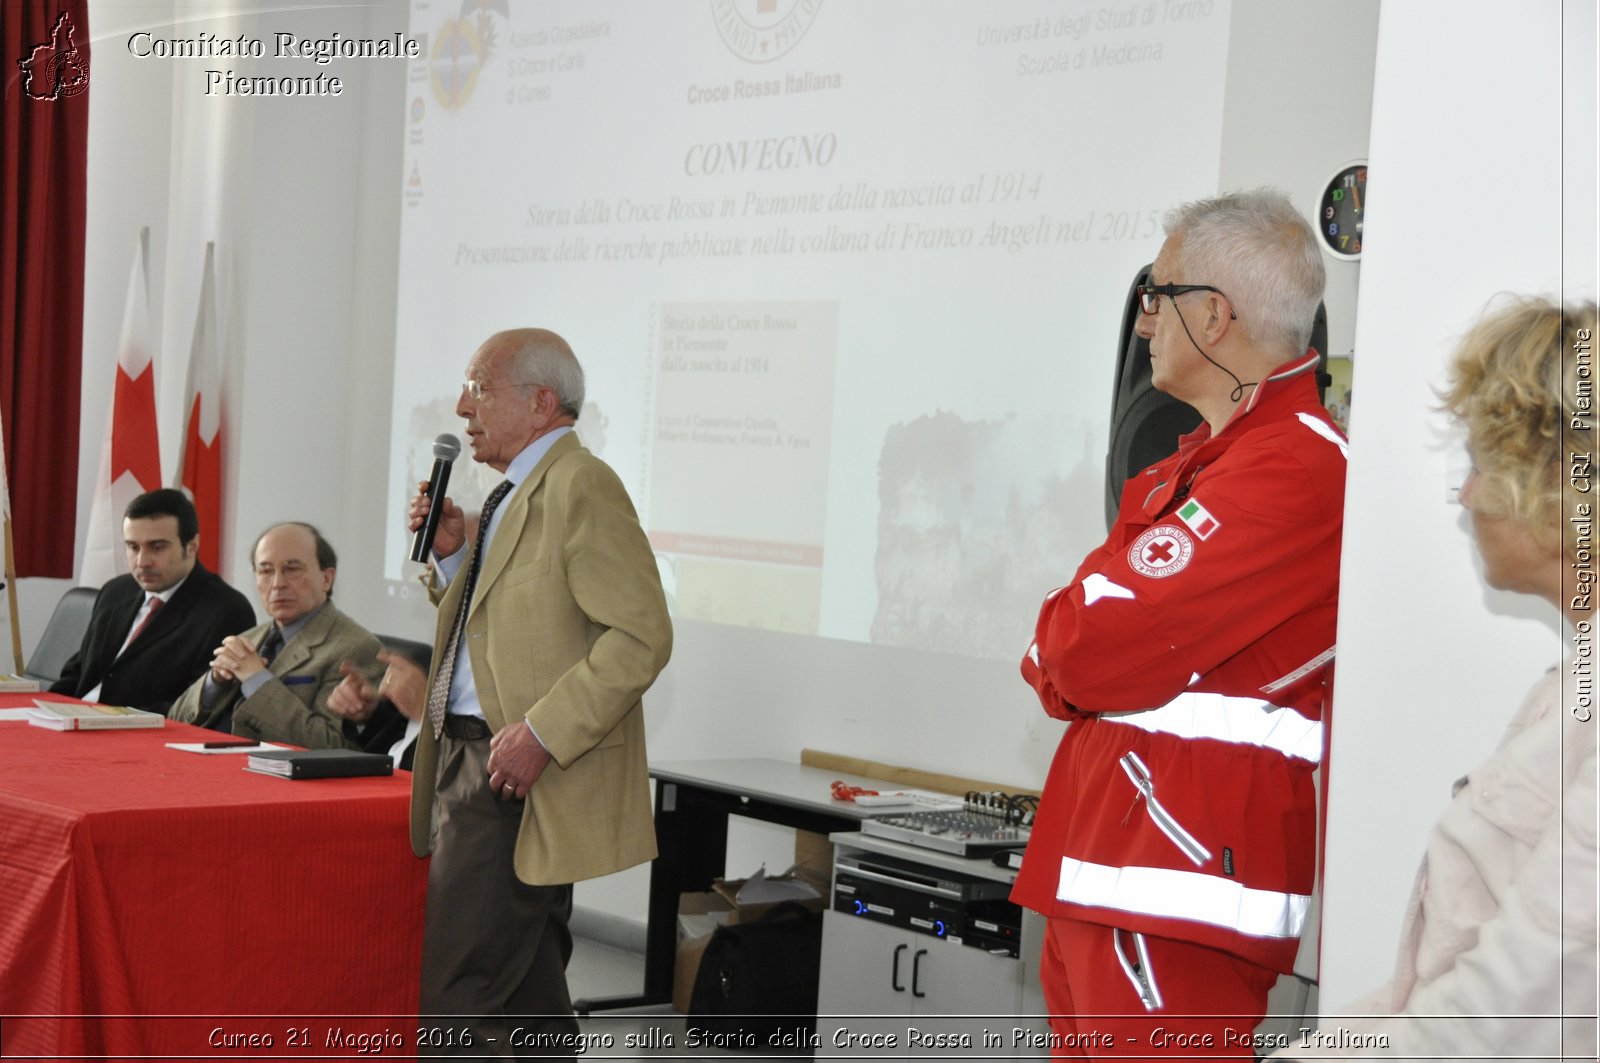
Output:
[[63, 635], [421, 653]]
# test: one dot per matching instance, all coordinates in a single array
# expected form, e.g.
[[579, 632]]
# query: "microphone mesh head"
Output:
[[446, 447]]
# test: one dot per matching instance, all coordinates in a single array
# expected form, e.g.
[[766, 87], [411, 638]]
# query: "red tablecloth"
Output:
[[158, 903]]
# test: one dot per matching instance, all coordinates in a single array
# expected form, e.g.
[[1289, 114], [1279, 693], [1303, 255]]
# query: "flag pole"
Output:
[[10, 561], [11, 599]]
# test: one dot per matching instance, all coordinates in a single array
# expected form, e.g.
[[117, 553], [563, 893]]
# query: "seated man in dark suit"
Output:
[[389, 715], [272, 682], [152, 632]]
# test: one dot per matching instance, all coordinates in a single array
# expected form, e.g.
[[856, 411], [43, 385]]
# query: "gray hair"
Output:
[[541, 357], [1264, 256]]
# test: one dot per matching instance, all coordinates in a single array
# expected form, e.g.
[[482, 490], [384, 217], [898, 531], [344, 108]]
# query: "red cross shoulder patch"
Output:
[[1162, 551]]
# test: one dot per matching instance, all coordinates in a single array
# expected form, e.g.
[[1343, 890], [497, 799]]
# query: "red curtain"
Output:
[[44, 125]]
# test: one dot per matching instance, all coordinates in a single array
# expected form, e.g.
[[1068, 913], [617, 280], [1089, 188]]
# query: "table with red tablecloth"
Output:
[[160, 903]]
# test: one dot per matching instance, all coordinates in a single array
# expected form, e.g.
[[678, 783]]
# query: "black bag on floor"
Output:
[[757, 982]]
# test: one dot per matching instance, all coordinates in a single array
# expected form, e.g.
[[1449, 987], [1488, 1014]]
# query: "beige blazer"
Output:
[[293, 705], [567, 629]]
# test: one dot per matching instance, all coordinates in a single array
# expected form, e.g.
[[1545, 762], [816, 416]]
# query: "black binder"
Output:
[[319, 763]]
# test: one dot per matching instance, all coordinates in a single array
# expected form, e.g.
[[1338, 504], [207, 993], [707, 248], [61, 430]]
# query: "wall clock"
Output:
[[1339, 215]]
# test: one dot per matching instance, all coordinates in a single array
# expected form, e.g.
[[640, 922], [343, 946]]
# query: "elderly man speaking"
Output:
[[530, 769]]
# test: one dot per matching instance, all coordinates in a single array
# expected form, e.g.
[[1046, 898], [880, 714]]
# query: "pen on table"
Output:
[[231, 743]]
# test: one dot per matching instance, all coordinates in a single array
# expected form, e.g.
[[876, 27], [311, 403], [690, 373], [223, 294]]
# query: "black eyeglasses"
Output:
[[1150, 295]]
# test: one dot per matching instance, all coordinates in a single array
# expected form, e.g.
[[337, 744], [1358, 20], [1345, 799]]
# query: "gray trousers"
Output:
[[494, 949]]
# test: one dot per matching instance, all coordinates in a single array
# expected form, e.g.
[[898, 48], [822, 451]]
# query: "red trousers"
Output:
[[1113, 994]]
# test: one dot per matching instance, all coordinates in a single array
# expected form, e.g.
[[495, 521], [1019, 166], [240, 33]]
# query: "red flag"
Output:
[[200, 465], [130, 459]]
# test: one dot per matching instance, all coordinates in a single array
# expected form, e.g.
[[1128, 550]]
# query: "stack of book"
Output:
[[71, 716]]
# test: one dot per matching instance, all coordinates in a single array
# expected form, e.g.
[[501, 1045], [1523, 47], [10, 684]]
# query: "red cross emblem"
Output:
[[1161, 551]]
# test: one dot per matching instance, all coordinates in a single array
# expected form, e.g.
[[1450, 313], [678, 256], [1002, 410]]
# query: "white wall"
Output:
[[1294, 132], [1466, 199], [317, 307]]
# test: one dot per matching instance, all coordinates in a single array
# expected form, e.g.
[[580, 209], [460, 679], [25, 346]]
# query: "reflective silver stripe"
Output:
[[1325, 430], [1097, 586], [1139, 973], [1246, 721], [1149, 971], [1300, 673], [1139, 775], [1190, 895], [1311, 359]]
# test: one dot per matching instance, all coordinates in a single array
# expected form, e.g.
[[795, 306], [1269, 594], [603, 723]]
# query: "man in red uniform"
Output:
[[1174, 850]]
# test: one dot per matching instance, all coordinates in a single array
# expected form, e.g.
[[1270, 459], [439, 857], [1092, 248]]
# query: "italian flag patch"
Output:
[[1199, 519]]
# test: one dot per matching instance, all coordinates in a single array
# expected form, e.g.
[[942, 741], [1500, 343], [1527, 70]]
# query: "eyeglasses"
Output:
[[476, 391], [1150, 295], [290, 570]]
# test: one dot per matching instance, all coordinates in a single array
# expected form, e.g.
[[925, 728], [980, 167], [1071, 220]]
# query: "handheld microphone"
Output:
[[446, 448]]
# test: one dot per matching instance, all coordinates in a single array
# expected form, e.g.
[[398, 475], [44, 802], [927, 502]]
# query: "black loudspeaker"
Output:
[[1146, 423]]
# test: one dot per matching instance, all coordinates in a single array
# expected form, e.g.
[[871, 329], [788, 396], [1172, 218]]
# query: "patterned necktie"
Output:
[[439, 692]]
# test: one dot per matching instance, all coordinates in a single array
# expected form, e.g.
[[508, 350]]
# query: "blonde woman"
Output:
[[1501, 922]]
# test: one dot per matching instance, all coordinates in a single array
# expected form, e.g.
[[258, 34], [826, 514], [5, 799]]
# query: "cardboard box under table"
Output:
[[699, 915]]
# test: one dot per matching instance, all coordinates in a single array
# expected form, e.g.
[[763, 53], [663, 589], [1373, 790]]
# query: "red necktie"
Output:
[[155, 607]]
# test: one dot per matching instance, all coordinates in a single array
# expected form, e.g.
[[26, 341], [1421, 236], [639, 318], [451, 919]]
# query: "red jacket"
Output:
[[1189, 653]]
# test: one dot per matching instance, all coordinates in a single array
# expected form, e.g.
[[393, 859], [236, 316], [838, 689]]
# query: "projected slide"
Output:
[[845, 277]]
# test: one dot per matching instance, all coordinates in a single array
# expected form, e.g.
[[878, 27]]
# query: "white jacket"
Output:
[[1501, 925]]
